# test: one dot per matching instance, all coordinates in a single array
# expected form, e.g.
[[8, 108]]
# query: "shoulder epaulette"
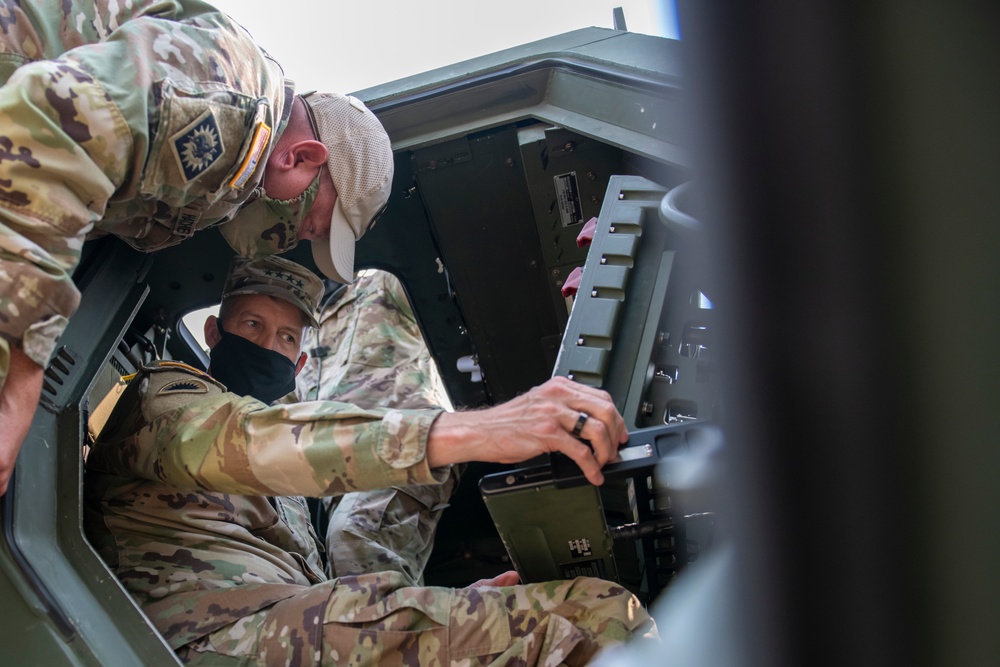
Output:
[[165, 366], [180, 365]]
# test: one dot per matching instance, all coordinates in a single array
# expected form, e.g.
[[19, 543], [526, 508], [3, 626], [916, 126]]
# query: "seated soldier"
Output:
[[189, 487]]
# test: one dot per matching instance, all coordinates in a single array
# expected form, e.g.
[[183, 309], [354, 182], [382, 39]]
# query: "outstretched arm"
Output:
[[237, 445]]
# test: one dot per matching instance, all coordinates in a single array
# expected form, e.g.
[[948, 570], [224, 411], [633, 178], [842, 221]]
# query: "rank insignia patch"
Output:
[[198, 146]]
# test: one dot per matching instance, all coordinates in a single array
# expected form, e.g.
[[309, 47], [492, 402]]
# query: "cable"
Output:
[[635, 531]]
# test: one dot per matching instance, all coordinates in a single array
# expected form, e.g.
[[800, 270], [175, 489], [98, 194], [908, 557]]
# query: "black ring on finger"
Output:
[[581, 420]]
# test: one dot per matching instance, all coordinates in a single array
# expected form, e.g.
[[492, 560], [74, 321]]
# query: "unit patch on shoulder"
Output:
[[188, 386], [197, 146]]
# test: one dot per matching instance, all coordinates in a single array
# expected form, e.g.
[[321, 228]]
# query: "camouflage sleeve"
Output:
[[230, 444], [74, 142], [45, 29], [64, 148]]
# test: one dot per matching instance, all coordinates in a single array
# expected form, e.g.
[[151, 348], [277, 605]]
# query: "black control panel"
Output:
[[641, 327]]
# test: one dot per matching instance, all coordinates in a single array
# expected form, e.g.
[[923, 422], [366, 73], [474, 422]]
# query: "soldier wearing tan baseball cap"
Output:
[[324, 130], [361, 167]]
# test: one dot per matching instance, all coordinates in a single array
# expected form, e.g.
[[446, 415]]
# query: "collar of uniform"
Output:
[[286, 108]]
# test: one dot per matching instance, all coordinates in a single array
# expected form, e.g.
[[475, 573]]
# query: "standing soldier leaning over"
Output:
[[152, 120]]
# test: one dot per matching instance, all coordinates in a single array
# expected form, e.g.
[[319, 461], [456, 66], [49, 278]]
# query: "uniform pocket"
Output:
[[197, 143]]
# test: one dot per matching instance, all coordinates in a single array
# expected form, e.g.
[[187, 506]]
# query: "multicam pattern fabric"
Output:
[[374, 619], [386, 529], [124, 118], [178, 503], [369, 352], [277, 277], [184, 491]]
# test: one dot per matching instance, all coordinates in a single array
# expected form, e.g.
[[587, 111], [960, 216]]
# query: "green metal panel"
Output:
[[618, 87], [78, 607]]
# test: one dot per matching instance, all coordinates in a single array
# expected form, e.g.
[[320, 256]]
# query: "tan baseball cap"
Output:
[[361, 166], [277, 277]]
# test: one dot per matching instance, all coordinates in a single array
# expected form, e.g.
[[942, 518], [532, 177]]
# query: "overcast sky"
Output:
[[348, 46]]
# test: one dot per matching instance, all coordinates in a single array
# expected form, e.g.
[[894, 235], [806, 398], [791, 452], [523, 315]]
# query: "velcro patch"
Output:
[[197, 146], [260, 138]]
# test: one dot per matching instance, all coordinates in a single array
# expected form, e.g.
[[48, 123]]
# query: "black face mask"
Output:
[[248, 369]]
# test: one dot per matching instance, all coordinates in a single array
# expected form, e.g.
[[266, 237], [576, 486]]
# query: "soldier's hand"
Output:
[[18, 401], [538, 422], [508, 578]]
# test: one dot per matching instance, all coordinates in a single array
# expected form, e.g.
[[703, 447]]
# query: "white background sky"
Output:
[[348, 46]]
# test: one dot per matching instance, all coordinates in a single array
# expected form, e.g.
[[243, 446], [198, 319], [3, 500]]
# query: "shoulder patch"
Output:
[[197, 146], [171, 385], [190, 386]]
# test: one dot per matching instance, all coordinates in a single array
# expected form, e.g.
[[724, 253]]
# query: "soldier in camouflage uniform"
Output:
[[151, 120], [369, 352], [187, 499]]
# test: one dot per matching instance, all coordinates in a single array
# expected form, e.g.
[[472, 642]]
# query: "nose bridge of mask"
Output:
[[268, 226]]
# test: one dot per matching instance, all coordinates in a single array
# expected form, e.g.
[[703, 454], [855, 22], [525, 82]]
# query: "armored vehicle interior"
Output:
[[499, 164], [834, 261]]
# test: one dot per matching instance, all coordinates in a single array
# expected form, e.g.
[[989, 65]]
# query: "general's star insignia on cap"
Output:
[[197, 146]]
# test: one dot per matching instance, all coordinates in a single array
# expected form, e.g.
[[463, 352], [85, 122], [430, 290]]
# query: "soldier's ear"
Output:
[[301, 364], [308, 153], [212, 335]]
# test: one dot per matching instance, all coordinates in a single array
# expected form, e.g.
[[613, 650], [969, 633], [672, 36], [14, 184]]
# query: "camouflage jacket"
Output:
[[369, 350], [146, 120], [183, 492]]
